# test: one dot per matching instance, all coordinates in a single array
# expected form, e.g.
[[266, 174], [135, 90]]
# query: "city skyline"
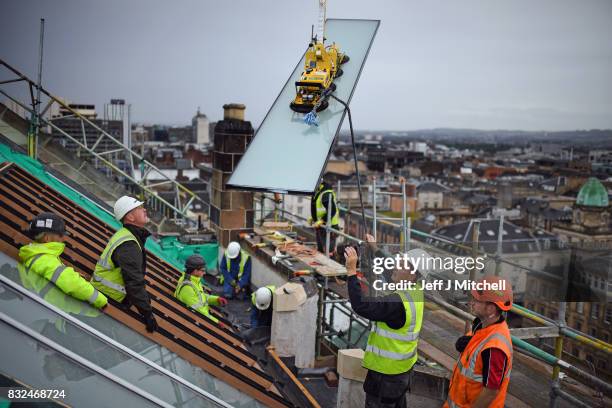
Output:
[[476, 65]]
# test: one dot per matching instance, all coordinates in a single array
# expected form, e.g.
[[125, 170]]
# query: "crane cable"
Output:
[[311, 119]]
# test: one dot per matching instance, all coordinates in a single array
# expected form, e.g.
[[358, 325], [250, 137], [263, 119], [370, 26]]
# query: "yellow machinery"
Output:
[[321, 67]]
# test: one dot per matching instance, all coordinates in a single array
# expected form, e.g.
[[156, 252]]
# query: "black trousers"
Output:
[[385, 390], [321, 235]]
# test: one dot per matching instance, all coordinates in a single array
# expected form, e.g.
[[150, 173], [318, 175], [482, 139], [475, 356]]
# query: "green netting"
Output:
[[174, 255], [177, 250]]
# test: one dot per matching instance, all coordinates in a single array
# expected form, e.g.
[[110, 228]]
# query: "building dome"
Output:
[[593, 194]]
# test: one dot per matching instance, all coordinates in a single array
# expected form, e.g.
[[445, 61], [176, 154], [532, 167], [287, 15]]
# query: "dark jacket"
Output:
[[388, 309], [132, 261]]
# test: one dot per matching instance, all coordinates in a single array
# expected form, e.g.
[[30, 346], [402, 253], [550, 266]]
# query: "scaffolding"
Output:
[[331, 303], [103, 150]]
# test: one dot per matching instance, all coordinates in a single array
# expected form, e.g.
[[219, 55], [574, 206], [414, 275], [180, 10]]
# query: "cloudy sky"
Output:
[[515, 64]]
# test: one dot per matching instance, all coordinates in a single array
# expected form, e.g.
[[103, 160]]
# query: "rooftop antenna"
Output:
[[321, 22], [35, 119]]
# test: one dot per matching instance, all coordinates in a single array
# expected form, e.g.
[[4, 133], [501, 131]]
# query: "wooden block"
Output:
[[280, 225], [349, 364], [289, 297]]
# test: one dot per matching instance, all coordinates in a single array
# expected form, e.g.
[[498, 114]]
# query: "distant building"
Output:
[[540, 251], [82, 131], [504, 195], [420, 147], [431, 195], [589, 235], [200, 128], [600, 156], [180, 134], [591, 216]]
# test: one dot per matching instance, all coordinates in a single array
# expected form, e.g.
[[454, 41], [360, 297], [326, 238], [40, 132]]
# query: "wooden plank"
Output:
[[218, 371], [321, 264], [241, 363], [208, 324], [535, 332], [188, 337]]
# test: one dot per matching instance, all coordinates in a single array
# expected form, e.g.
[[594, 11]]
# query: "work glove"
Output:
[[462, 343], [222, 301], [309, 221], [150, 322], [318, 224]]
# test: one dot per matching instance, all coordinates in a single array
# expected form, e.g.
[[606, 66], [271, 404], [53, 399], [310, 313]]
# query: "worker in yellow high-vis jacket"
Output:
[[324, 199], [190, 292], [397, 317], [43, 258]]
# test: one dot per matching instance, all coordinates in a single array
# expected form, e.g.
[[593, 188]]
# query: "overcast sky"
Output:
[[484, 64]]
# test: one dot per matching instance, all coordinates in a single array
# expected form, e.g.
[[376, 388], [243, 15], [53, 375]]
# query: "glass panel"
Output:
[[32, 363], [121, 364], [284, 141]]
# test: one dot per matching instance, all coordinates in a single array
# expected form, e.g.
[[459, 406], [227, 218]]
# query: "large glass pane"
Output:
[[34, 364], [63, 332], [284, 141]]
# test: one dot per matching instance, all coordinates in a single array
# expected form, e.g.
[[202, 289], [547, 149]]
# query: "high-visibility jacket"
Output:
[[244, 257], [107, 277], [466, 381], [44, 260], [394, 351], [191, 293], [321, 210], [272, 289], [52, 294]]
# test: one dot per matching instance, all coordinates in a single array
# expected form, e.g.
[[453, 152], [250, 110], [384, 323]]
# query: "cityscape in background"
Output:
[[553, 190]]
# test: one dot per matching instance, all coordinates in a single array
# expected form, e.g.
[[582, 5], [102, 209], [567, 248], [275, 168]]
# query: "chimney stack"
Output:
[[231, 211]]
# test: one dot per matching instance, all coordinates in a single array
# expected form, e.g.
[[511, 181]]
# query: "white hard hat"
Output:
[[233, 250], [421, 260], [124, 205], [263, 297]]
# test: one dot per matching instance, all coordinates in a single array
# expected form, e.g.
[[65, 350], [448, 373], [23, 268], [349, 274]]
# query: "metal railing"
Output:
[[183, 197], [336, 304]]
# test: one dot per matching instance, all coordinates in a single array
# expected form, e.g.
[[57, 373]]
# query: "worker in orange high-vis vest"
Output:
[[482, 373]]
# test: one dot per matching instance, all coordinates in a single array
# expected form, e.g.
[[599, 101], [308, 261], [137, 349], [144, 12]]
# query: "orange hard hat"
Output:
[[497, 290]]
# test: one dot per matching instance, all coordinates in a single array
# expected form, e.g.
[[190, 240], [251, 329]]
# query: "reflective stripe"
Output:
[[46, 290], [104, 262], [93, 297], [395, 336], [410, 335], [469, 371], [202, 302], [412, 312], [321, 210], [57, 273], [109, 284], [34, 259], [390, 354]]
